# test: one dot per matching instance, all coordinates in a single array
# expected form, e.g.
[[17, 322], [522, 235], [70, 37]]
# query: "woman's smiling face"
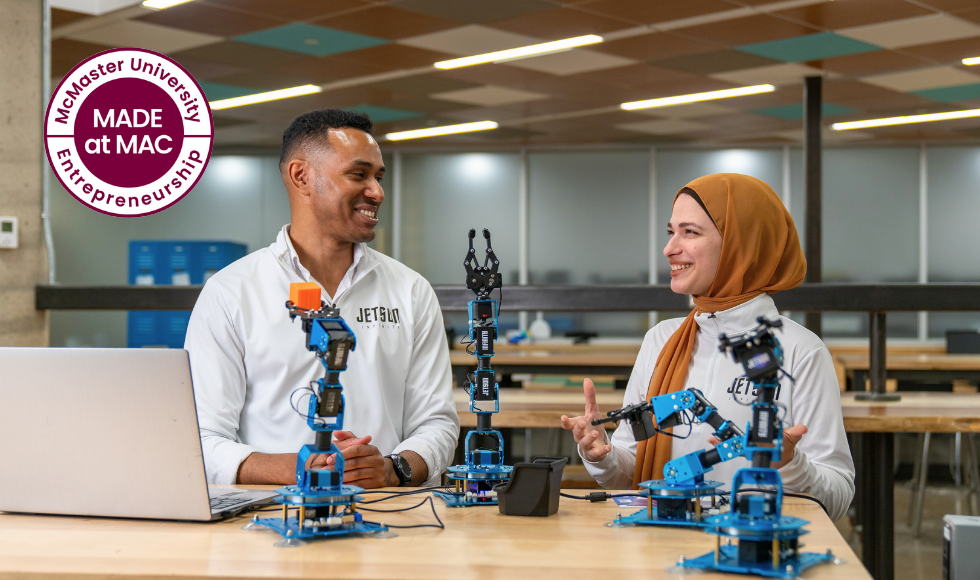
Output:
[[693, 247]]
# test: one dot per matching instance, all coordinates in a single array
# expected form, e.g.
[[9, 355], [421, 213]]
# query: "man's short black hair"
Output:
[[317, 124]]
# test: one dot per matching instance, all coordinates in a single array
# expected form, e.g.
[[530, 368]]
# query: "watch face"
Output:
[[402, 468]]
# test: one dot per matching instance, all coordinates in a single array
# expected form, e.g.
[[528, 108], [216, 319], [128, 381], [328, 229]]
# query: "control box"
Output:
[[961, 536], [8, 232]]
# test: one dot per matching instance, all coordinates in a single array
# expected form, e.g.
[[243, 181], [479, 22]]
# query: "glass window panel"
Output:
[[443, 196], [954, 204], [589, 220]]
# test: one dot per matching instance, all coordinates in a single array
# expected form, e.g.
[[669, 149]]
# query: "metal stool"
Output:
[[921, 470]]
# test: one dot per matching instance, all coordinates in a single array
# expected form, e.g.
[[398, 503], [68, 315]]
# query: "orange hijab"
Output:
[[760, 252]]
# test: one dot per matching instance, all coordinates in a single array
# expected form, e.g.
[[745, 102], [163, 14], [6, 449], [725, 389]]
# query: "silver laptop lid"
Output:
[[100, 432]]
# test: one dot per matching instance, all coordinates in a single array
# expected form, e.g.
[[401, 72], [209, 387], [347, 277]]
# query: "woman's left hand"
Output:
[[791, 437]]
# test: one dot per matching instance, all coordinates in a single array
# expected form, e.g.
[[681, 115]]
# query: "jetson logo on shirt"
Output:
[[744, 392], [378, 316]]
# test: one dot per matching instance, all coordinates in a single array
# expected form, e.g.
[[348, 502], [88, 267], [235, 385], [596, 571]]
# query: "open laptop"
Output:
[[105, 432]]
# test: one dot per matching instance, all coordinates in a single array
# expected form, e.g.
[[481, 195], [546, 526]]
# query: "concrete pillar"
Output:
[[21, 158]]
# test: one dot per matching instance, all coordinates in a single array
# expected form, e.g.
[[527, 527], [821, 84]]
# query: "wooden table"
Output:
[[915, 367], [581, 361], [915, 413], [873, 425], [477, 543]]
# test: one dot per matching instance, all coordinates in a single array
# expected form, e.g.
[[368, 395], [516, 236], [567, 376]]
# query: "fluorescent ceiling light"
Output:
[[521, 52], [709, 96], [969, 61], [446, 130], [904, 120], [263, 97], [161, 4]]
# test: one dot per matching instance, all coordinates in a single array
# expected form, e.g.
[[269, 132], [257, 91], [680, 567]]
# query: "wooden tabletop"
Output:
[[915, 413], [477, 543], [915, 362], [551, 358]]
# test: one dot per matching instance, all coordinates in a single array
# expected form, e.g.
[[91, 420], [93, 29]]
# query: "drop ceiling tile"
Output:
[[828, 135], [809, 47], [384, 114], [870, 63], [647, 11], [912, 31], [219, 91], [669, 89], [469, 40], [327, 69], [225, 122], [265, 79], [205, 70], [498, 74], [425, 105], [952, 94], [636, 75], [862, 96], [747, 30], [67, 53], [310, 39], [387, 22], [971, 15], [793, 112], [489, 96], [656, 46], [475, 12], [953, 51], [239, 54], [133, 34], [290, 10], [61, 17], [715, 62], [574, 61], [834, 15], [690, 111], [421, 85], [951, 5], [394, 57], [560, 23], [665, 127], [930, 78], [776, 74], [210, 19]]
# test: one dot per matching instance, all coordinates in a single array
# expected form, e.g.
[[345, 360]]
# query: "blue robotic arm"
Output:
[[683, 408]]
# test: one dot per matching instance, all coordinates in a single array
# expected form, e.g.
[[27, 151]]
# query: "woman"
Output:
[[731, 244]]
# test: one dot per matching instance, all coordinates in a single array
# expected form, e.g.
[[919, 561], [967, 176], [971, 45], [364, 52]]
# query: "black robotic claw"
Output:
[[482, 279]]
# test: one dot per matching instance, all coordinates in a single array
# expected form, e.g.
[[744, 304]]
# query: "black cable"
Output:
[[598, 496], [394, 494], [432, 504], [785, 494]]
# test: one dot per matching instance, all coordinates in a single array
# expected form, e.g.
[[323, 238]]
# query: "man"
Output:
[[249, 362]]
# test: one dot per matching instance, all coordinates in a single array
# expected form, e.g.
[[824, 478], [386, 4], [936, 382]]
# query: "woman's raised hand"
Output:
[[590, 439]]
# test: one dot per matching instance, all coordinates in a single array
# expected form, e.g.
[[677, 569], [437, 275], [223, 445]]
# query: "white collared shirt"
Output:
[[248, 359], [821, 465]]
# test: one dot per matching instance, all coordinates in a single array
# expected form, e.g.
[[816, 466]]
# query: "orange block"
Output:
[[305, 295]]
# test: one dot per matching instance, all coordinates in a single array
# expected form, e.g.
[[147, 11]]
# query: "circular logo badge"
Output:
[[128, 132]]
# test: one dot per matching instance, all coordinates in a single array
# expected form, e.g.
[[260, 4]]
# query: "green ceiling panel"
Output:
[[218, 91], [809, 47], [951, 94], [793, 112], [383, 114], [310, 39]]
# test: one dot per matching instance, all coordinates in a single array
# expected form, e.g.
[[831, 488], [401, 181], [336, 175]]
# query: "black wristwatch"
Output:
[[402, 469]]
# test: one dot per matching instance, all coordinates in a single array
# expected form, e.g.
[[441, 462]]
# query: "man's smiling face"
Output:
[[347, 182]]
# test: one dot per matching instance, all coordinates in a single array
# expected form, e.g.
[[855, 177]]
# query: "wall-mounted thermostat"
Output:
[[8, 232]]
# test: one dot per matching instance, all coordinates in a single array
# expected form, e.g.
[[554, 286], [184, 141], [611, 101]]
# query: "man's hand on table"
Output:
[[591, 440], [364, 465]]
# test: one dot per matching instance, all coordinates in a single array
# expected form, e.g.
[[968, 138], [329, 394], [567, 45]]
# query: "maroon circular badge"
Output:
[[128, 132]]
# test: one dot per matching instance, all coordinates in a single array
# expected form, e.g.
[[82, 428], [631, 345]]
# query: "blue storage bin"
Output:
[[167, 263]]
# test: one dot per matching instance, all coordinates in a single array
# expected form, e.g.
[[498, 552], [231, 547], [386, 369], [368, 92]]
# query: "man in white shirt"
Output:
[[249, 362]]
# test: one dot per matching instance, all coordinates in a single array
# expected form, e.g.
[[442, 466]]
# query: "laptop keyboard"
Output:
[[222, 502]]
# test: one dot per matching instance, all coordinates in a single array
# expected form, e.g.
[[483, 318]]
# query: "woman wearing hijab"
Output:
[[731, 244]]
